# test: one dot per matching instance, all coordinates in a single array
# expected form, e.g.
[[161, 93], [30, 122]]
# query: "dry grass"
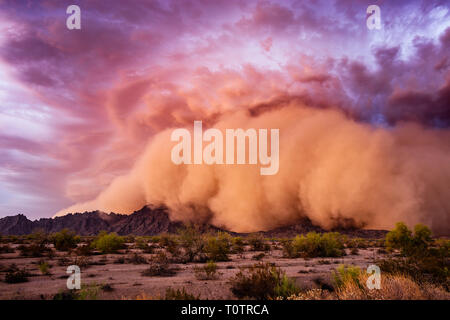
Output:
[[393, 287]]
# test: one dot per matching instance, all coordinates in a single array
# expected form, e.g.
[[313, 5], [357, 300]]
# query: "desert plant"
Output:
[[84, 250], [262, 281], [218, 247], [237, 245], [207, 272], [344, 274], [16, 276], [314, 244], [159, 267], [143, 244], [64, 240], [33, 250], [172, 294], [192, 244], [44, 267], [402, 238], [108, 243], [257, 243]]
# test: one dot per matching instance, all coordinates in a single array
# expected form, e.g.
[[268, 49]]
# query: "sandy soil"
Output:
[[127, 281]]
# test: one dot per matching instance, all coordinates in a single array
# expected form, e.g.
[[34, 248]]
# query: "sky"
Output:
[[78, 107]]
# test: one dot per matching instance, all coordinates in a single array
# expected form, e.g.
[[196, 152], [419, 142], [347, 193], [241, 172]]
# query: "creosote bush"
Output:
[[207, 272], [108, 243], [314, 244], [159, 267], [262, 281], [402, 238], [218, 247], [64, 240]]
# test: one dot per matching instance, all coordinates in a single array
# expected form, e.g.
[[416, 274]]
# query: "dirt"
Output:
[[127, 282]]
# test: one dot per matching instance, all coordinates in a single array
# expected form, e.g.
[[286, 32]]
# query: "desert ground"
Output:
[[121, 274]]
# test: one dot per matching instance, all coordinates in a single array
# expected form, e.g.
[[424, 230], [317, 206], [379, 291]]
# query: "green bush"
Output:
[[237, 245], [315, 245], [191, 241], [262, 281], [108, 243], [218, 248], [44, 267], [402, 238], [344, 274], [65, 240], [257, 243]]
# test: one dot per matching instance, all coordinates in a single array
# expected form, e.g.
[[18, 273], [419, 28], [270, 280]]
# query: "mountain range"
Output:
[[147, 221]]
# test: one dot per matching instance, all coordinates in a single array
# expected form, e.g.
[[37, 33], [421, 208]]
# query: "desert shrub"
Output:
[[356, 243], [34, 250], [65, 240], [81, 261], [108, 243], [44, 267], [393, 287], [87, 292], [257, 243], [191, 241], [237, 245], [314, 244], [344, 274], [143, 244], [423, 269], [16, 276], [218, 247], [402, 238], [172, 294], [159, 267], [207, 272], [39, 236], [84, 250], [354, 251], [262, 281]]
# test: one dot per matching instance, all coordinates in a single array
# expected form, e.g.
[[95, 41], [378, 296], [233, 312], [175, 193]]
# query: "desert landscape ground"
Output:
[[193, 265]]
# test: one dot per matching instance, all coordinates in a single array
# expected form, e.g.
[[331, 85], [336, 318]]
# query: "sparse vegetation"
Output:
[[16, 276], [262, 281], [257, 243], [65, 240], [172, 294], [159, 267], [218, 247], [34, 250], [44, 267], [315, 245], [207, 272], [108, 242], [345, 274]]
